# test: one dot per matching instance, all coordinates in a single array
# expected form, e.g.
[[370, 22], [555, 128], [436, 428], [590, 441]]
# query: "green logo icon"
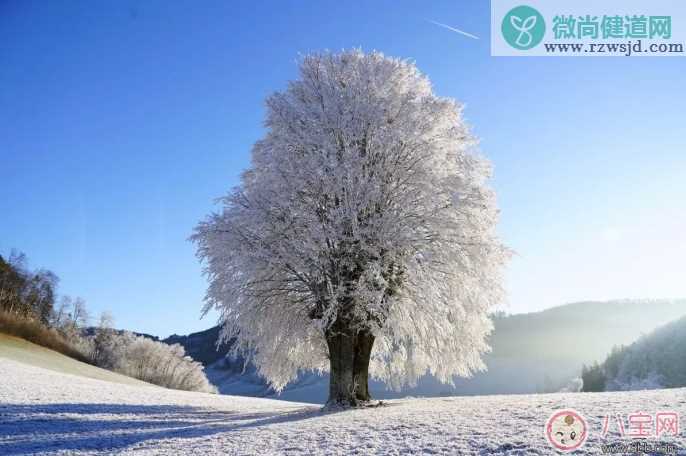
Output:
[[523, 27]]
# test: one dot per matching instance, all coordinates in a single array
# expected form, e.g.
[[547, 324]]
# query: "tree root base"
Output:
[[339, 406]]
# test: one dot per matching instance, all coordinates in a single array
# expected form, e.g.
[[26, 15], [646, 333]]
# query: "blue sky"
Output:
[[121, 122]]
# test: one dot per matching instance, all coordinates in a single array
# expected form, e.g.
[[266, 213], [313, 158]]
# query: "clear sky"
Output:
[[120, 122]]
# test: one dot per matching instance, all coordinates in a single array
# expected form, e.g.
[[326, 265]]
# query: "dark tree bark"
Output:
[[340, 341], [349, 354], [363, 350]]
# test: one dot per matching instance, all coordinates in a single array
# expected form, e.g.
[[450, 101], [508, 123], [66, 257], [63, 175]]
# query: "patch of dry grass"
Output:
[[39, 334]]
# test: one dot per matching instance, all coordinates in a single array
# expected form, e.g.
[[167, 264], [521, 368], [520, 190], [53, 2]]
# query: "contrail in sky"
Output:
[[455, 30]]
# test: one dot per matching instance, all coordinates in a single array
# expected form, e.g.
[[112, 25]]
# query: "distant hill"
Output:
[[533, 352], [656, 360], [90, 331], [201, 346], [581, 330]]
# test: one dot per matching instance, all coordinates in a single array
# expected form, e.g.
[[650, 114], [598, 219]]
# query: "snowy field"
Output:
[[48, 412]]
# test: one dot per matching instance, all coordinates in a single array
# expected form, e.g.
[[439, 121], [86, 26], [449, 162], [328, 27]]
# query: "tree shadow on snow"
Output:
[[47, 428]]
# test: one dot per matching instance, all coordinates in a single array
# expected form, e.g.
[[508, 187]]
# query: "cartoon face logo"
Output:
[[566, 430]]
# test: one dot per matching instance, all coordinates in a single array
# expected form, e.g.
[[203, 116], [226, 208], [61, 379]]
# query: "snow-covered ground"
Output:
[[47, 412]]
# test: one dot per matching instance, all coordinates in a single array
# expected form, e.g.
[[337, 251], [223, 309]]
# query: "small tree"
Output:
[[593, 377], [70, 318], [362, 236], [105, 348]]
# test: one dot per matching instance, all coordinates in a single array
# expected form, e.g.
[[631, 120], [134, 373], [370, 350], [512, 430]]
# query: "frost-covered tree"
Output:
[[26, 294], [142, 358], [161, 364], [362, 238], [71, 317], [105, 343]]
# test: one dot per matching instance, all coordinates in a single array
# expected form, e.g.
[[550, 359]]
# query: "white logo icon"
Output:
[[523, 28]]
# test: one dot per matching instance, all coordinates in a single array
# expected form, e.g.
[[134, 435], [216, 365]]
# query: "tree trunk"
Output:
[[349, 355], [341, 343], [363, 351]]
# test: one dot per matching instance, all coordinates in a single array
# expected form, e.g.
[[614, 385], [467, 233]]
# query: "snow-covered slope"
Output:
[[47, 412], [21, 350]]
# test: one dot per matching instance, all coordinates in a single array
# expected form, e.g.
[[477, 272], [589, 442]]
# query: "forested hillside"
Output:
[[654, 361]]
